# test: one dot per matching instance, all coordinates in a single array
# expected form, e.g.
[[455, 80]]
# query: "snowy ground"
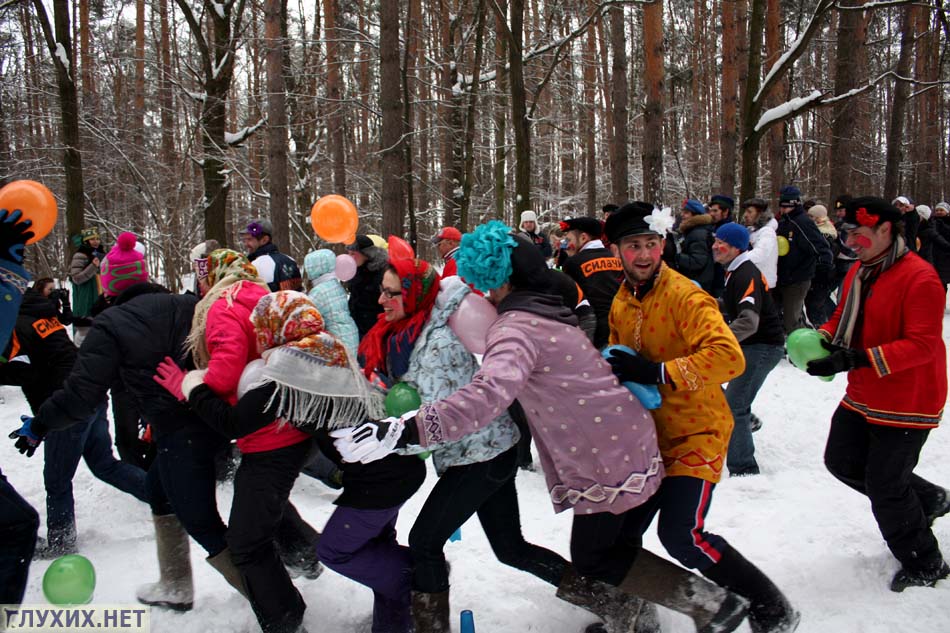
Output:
[[812, 535]]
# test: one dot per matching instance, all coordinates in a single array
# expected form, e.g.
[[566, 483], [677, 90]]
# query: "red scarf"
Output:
[[420, 286]]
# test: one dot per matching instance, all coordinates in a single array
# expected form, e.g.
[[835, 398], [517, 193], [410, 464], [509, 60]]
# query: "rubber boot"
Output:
[[224, 565], [712, 608], [175, 589], [430, 612], [769, 610], [620, 611], [59, 542]]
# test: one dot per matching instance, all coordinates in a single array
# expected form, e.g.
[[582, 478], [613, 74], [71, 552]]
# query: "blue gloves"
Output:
[[26, 439], [14, 233]]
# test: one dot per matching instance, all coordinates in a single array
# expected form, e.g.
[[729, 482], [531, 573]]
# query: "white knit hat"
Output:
[[924, 211], [529, 216]]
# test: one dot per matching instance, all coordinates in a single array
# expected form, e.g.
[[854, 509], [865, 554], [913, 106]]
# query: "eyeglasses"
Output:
[[390, 294]]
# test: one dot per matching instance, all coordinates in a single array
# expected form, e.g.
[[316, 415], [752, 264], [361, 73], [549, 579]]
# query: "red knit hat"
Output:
[[122, 267]]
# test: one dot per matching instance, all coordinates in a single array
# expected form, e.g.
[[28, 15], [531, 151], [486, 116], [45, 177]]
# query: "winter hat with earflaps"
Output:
[[124, 266]]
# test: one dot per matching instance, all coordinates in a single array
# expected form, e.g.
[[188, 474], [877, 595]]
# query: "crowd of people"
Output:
[[695, 303]]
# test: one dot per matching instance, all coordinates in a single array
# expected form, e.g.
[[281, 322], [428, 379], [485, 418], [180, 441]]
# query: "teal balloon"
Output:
[[402, 398], [804, 345], [69, 580]]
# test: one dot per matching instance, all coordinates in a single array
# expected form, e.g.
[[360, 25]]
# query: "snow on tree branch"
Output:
[[236, 138], [788, 109]]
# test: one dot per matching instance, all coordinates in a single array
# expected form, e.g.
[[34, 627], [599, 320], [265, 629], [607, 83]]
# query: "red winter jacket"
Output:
[[901, 331], [232, 344]]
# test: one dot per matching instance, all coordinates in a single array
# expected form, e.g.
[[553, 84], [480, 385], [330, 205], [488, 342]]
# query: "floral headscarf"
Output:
[[395, 339], [319, 384], [227, 270]]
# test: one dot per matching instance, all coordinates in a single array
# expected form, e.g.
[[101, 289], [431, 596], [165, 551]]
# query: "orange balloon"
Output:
[[35, 201], [400, 249], [334, 219]]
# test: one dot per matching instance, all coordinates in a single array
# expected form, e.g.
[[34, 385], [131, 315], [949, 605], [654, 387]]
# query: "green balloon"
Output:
[[804, 345], [69, 580], [402, 398]]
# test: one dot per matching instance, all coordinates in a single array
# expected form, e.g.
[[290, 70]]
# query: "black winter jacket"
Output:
[[364, 291], [43, 339], [808, 252], [695, 257], [126, 343], [278, 270], [941, 247], [384, 483]]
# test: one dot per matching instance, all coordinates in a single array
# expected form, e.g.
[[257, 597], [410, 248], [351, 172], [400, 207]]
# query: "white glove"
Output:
[[370, 441]]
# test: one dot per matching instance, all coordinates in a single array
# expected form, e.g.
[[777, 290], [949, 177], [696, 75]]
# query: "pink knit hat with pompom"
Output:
[[122, 267]]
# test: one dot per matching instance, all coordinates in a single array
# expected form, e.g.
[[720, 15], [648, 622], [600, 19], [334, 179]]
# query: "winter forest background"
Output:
[[182, 119]]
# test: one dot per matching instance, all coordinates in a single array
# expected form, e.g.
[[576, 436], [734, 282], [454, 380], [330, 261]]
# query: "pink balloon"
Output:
[[399, 248], [345, 268], [470, 322]]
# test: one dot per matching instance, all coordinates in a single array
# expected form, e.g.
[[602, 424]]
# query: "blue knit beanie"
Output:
[[790, 195], [734, 235], [694, 206]]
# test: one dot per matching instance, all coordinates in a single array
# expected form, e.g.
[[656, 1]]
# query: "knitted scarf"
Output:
[[319, 385], [860, 286], [227, 270], [420, 286]]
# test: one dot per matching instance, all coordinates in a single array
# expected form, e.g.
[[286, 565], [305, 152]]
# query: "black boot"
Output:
[[620, 611], [769, 610], [712, 608], [430, 612], [59, 542], [920, 577]]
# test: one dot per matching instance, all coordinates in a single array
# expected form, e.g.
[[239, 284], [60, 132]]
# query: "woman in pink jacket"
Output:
[[597, 443], [223, 341]]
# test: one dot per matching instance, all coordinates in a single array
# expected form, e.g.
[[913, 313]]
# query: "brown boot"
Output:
[[430, 612], [175, 588], [620, 611], [223, 564], [712, 608]]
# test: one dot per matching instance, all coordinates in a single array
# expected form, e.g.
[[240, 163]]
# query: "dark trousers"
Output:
[[125, 414], [791, 301], [487, 488], [818, 304], [760, 359], [879, 461], [361, 545], [18, 525], [89, 441], [682, 504], [604, 545], [262, 486], [181, 481]]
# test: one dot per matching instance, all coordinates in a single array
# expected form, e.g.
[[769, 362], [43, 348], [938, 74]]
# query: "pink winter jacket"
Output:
[[232, 344], [596, 442]]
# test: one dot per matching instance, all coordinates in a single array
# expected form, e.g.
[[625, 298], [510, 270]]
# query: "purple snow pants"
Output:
[[361, 545]]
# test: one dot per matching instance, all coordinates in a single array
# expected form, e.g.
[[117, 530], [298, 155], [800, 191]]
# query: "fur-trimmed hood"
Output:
[[688, 224]]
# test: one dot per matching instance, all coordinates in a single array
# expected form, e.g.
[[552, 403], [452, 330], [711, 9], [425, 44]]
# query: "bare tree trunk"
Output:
[[391, 133], [500, 115], [276, 122], [895, 131], [85, 54], [519, 113], [750, 140], [589, 113], [773, 48], [729, 135], [927, 165], [59, 42], [619, 160], [850, 38], [653, 112], [335, 119], [469, 172]]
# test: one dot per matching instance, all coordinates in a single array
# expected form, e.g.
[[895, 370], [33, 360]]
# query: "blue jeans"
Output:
[[760, 359], [18, 525], [182, 481], [63, 449]]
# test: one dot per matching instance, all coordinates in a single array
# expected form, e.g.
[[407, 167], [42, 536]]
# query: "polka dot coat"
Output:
[[597, 444], [679, 324]]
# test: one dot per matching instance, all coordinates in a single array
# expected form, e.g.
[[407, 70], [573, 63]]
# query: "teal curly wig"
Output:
[[484, 257]]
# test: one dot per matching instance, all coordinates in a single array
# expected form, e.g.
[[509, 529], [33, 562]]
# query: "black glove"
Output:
[[841, 359], [28, 436], [61, 295], [635, 368], [14, 232]]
